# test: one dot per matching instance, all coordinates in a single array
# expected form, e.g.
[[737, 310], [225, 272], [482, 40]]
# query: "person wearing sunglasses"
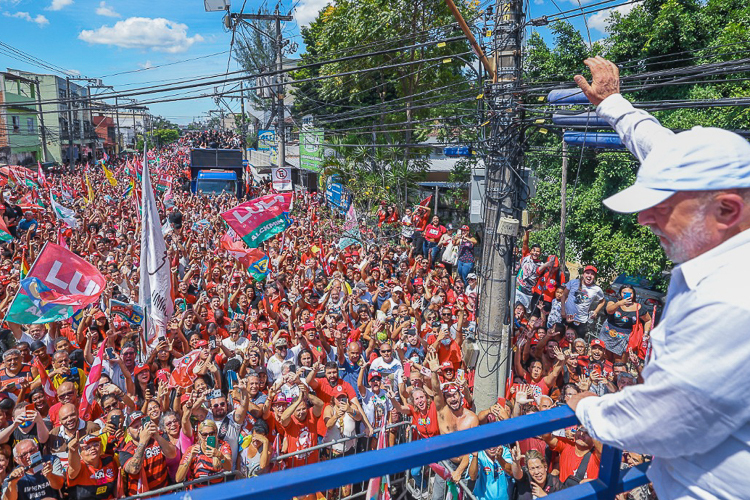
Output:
[[208, 457]]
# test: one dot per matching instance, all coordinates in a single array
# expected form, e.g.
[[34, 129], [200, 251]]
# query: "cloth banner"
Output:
[[259, 219]]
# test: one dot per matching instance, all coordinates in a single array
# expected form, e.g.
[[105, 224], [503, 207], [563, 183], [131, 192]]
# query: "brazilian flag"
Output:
[[258, 268]]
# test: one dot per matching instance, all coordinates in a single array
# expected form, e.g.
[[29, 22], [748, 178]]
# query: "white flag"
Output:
[[155, 291], [65, 214]]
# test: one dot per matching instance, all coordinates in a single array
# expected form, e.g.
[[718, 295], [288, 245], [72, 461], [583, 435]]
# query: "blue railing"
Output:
[[323, 476]]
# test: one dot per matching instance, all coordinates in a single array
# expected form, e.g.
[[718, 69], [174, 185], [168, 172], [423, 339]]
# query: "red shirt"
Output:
[[569, 461], [426, 423], [300, 436], [433, 233], [326, 393]]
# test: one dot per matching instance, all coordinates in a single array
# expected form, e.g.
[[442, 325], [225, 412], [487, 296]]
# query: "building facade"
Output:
[[69, 131], [19, 127]]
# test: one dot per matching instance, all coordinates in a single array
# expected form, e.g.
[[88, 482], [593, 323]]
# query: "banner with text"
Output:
[[259, 219]]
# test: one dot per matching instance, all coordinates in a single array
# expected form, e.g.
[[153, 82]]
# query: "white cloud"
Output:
[[157, 34], [538, 2], [308, 10], [40, 20], [106, 11], [146, 65], [600, 20], [59, 4]]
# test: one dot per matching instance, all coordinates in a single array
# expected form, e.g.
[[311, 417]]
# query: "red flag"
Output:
[[40, 176], [245, 256], [61, 239], [50, 393], [374, 486], [426, 201], [92, 383], [182, 375]]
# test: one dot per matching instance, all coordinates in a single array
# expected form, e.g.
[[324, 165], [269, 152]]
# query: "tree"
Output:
[[655, 35]]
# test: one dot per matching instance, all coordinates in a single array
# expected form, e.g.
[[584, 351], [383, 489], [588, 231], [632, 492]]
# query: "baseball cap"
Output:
[[464, 228], [280, 398], [89, 438], [281, 342], [308, 326], [446, 365], [597, 342], [136, 415], [142, 368], [450, 388], [699, 159], [591, 268], [397, 289], [373, 374], [471, 276], [202, 343]]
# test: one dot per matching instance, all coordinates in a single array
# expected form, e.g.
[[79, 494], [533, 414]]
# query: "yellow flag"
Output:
[[110, 177], [90, 194]]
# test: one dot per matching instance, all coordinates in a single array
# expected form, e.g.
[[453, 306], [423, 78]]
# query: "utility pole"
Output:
[[279, 45], [117, 118], [280, 91], [563, 201], [70, 124], [243, 131], [503, 165], [41, 121]]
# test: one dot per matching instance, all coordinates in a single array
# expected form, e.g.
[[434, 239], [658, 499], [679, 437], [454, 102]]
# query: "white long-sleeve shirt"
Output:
[[693, 410]]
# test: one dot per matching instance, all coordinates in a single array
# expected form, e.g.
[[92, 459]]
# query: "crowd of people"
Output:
[[334, 347]]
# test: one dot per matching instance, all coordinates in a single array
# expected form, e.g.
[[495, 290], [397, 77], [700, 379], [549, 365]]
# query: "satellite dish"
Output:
[[216, 5]]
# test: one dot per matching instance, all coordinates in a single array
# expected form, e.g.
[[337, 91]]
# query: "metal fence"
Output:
[[331, 476]]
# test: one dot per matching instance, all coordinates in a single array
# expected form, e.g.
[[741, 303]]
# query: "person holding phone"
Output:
[[208, 457], [91, 476], [37, 475], [144, 455], [623, 318]]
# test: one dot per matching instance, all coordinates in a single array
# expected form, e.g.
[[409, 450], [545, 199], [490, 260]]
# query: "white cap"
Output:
[[397, 289], [699, 159]]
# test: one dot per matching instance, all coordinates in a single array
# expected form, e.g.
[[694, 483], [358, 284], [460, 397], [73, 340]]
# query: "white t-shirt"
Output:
[[240, 345], [393, 370], [46, 340], [373, 404], [581, 298], [273, 365]]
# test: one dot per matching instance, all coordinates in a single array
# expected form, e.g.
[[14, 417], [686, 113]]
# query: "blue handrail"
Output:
[[323, 476]]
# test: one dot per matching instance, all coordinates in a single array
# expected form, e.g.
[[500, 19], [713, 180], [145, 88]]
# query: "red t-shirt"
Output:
[[426, 423], [433, 233], [300, 436], [569, 461], [326, 393]]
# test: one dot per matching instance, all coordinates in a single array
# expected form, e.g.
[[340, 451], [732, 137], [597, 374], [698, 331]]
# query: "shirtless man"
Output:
[[452, 417]]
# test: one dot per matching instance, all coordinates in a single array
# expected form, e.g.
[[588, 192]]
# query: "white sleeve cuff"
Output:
[[613, 108], [584, 411]]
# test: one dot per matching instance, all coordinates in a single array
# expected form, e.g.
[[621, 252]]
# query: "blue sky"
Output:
[[99, 38]]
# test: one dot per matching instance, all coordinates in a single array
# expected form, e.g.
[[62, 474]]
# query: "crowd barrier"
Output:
[[398, 460]]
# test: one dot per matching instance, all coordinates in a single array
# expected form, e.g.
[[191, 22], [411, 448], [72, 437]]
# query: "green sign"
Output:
[[311, 149]]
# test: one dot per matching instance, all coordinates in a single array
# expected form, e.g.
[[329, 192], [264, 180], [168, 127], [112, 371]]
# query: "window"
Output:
[[16, 124], [30, 126]]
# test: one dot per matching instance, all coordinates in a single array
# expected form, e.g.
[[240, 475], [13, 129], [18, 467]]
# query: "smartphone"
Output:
[[146, 420], [211, 441], [11, 387], [35, 462], [189, 307], [161, 339], [254, 336], [110, 352], [460, 376], [212, 341], [231, 379], [627, 295], [115, 420]]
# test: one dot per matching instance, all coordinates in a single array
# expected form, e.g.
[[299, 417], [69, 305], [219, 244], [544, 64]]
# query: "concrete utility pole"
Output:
[[70, 124], [117, 118], [243, 131], [279, 45], [503, 165], [42, 129]]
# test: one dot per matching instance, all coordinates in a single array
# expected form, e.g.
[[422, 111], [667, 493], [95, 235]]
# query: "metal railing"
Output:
[[324, 476]]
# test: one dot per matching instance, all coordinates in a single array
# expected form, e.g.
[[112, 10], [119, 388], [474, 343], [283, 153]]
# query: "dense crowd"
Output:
[[334, 346]]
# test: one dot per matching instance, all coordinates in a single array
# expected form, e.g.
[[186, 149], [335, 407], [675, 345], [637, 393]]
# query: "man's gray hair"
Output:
[[15, 449], [11, 352]]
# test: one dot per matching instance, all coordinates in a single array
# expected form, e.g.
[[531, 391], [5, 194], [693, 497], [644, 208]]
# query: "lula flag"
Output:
[[155, 293], [352, 235], [259, 219], [65, 214], [4, 233], [58, 284], [132, 313]]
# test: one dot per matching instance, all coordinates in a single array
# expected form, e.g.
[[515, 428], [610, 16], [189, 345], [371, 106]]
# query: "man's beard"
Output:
[[690, 243]]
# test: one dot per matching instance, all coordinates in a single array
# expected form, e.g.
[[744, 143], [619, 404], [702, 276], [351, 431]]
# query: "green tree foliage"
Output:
[[656, 35]]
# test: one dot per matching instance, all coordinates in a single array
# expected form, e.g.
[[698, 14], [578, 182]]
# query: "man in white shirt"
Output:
[[693, 410]]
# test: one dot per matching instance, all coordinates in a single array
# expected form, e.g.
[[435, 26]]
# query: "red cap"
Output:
[[418, 281], [464, 228], [374, 374], [280, 398], [597, 342], [184, 398], [451, 388], [440, 264], [446, 365], [308, 326], [141, 368], [590, 268], [202, 343], [262, 325]]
